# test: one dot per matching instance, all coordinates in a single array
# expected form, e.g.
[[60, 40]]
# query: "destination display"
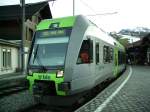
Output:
[[53, 33]]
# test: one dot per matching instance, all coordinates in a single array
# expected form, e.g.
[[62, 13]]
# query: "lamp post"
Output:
[[22, 4]]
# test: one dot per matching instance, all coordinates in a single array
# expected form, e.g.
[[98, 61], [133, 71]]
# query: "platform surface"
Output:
[[129, 93]]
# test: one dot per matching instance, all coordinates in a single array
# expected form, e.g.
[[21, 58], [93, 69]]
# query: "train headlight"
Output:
[[60, 73], [30, 72]]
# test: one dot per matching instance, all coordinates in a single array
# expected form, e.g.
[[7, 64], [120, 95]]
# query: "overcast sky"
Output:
[[130, 13]]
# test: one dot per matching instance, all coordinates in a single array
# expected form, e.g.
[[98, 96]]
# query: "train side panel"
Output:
[[79, 75]]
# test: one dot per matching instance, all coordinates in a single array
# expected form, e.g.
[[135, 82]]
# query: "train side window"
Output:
[[91, 50], [121, 57], [86, 52], [111, 54], [106, 54], [97, 53]]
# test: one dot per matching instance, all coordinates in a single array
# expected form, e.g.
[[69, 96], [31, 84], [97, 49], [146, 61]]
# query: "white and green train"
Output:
[[70, 56]]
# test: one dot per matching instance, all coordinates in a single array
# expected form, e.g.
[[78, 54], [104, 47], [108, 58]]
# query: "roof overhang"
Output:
[[14, 12], [8, 43]]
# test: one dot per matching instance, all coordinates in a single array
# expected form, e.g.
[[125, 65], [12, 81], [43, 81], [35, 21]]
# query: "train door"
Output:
[[115, 69], [99, 66], [97, 58], [85, 59], [148, 55]]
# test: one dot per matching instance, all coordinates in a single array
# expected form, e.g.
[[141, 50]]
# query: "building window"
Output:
[[26, 33], [97, 53], [30, 34], [4, 58], [8, 58], [39, 19], [6, 61]]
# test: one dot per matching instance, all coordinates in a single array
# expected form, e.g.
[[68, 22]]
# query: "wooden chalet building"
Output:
[[10, 27], [139, 52]]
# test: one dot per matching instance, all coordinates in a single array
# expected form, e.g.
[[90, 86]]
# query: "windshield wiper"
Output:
[[35, 54], [38, 60]]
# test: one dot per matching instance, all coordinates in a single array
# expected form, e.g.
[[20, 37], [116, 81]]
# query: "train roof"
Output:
[[61, 22], [108, 38], [70, 21]]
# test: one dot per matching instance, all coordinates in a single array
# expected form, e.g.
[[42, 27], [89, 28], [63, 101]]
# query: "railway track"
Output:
[[45, 108], [85, 99], [8, 87], [82, 101], [11, 90]]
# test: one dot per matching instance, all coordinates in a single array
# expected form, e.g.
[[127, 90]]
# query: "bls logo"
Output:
[[44, 77], [39, 76]]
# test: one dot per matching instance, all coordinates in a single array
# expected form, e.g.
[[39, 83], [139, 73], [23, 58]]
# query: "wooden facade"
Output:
[[139, 52], [10, 31], [10, 20]]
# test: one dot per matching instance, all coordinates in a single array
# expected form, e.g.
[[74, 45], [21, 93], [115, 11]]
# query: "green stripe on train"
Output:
[[49, 77], [63, 22]]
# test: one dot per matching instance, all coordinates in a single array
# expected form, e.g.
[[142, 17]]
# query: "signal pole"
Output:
[[73, 7], [22, 4]]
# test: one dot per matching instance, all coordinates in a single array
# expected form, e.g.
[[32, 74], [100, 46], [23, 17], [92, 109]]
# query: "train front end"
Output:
[[46, 63]]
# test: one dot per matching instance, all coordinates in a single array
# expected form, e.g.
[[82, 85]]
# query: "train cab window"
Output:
[[97, 53], [86, 52]]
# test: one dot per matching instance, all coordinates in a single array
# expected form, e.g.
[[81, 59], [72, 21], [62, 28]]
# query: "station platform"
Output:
[[129, 93]]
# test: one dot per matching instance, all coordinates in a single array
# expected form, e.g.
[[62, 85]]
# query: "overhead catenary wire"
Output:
[[88, 6], [97, 14], [84, 3], [103, 14]]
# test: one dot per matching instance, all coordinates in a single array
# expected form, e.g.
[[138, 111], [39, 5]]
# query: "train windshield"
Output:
[[50, 48]]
